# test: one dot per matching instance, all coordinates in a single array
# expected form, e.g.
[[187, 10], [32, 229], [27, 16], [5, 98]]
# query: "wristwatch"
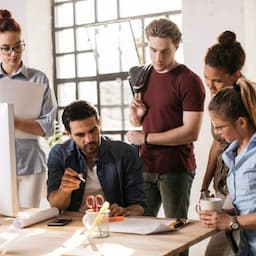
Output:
[[234, 225]]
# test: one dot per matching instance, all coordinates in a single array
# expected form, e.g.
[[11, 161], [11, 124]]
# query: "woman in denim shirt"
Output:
[[31, 160], [233, 115]]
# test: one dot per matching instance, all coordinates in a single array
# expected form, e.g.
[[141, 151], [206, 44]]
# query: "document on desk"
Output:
[[32, 216], [145, 225], [27, 98]]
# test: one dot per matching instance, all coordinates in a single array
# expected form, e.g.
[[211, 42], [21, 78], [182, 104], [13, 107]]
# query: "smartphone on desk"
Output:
[[59, 222]]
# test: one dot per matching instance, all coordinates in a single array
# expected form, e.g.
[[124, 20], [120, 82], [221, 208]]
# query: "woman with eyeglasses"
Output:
[[31, 159], [234, 110], [223, 64]]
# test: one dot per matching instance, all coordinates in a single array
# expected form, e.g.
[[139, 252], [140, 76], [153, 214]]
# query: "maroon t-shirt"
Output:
[[167, 96]]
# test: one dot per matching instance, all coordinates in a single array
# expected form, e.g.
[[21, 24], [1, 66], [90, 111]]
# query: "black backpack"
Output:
[[138, 77]]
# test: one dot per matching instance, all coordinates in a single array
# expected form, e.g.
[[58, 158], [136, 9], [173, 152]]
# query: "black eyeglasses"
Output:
[[7, 50]]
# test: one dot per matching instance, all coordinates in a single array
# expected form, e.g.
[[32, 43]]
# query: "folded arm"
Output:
[[187, 133]]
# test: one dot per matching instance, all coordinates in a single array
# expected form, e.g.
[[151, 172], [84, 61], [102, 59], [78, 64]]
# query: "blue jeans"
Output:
[[172, 189]]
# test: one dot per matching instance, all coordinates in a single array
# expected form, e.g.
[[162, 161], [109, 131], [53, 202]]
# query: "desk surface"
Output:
[[40, 239]]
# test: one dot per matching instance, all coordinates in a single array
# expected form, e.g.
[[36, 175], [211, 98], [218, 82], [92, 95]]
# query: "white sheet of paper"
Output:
[[27, 98], [34, 215], [141, 226]]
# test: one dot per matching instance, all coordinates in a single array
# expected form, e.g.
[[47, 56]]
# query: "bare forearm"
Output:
[[29, 126], [184, 134], [211, 165], [174, 137], [247, 221], [60, 199]]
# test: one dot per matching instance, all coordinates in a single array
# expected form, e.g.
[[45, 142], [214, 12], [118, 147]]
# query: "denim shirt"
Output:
[[119, 170], [241, 181], [29, 155]]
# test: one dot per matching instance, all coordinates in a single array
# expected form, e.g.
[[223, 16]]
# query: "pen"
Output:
[[177, 224], [80, 177]]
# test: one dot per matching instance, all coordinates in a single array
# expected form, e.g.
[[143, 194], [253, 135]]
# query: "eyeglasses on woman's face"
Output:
[[7, 50], [219, 128]]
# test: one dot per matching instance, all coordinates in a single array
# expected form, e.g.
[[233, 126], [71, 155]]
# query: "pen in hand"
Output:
[[80, 177]]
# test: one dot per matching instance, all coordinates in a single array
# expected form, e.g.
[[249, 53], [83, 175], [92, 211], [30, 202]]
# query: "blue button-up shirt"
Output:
[[241, 181], [29, 155], [119, 170]]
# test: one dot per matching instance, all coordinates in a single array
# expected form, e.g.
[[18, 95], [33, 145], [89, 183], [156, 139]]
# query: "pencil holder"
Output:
[[96, 223]]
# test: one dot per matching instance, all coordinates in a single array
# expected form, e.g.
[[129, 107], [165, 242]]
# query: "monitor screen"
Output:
[[8, 182]]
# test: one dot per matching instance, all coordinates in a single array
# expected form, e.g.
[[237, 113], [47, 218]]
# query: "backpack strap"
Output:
[[138, 77]]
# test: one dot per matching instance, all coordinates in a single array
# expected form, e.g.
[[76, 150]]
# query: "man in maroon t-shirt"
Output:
[[169, 108]]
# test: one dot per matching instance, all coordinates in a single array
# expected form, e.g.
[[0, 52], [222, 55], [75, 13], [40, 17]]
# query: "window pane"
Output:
[[107, 10], [127, 92], [64, 41], [129, 56], [137, 32], [85, 39], [127, 124], [65, 66], [108, 49], [86, 65], [58, 1], [85, 12], [110, 93], [88, 91], [66, 93], [135, 7], [111, 119], [113, 136], [64, 15]]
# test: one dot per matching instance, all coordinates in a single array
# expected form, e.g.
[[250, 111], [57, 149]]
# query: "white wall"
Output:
[[35, 20]]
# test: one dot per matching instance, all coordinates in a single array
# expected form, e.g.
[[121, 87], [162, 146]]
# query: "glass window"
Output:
[[106, 10], [141, 7], [65, 66], [58, 1], [128, 51], [88, 91], [64, 15], [86, 65], [85, 39], [66, 93], [85, 12], [108, 48], [111, 119], [64, 41], [96, 43], [127, 92], [110, 92]]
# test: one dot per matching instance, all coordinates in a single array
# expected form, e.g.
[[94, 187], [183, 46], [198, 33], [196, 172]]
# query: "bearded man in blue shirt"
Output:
[[110, 168]]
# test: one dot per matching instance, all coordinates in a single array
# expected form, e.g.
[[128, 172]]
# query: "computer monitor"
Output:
[[9, 205]]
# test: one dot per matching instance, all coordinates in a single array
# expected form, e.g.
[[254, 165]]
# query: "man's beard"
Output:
[[91, 148]]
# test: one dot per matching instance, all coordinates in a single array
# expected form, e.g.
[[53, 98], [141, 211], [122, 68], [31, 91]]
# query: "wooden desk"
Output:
[[52, 241]]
